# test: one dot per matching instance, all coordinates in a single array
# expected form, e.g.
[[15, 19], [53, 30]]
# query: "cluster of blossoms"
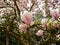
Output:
[[40, 7], [41, 14]]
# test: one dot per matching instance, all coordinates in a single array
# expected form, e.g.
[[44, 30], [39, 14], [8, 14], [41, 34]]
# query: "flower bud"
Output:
[[39, 33], [23, 26], [44, 21], [54, 14]]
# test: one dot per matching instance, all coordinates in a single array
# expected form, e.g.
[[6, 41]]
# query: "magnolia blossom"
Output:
[[23, 26], [39, 33], [29, 4], [44, 21], [41, 5], [24, 4], [26, 17], [52, 20], [54, 13], [36, 10], [58, 36], [2, 12], [43, 13]]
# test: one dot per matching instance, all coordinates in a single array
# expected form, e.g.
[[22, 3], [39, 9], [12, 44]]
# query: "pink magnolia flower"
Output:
[[52, 20], [36, 10], [54, 14], [44, 21], [26, 17], [24, 4], [23, 26], [39, 33], [44, 25]]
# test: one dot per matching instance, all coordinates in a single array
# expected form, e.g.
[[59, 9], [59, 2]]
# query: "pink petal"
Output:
[[39, 33], [27, 18]]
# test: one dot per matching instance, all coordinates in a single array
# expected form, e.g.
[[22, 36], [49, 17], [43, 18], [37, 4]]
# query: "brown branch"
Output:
[[15, 4], [32, 6], [28, 38], [16, 35], [18, 10], [7, 39]]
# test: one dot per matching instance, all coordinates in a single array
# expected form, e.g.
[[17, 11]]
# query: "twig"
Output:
[[31, 7]]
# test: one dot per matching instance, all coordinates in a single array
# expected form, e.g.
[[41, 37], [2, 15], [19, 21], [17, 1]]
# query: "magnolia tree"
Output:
[[32, 22]]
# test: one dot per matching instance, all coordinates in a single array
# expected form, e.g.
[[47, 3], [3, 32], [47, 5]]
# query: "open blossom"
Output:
[[23, 3], [36, 10], [29, 4], [43, 13], [23, 26], [44, 21], [52, 20], [26, 17], [54, 14], [58, 36], [39, 33], [2, 12]]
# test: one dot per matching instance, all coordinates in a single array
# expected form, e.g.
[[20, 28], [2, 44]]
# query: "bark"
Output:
[[7, 40]]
